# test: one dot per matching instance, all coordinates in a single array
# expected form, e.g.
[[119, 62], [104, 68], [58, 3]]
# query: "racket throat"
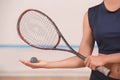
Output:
[[80, 56]]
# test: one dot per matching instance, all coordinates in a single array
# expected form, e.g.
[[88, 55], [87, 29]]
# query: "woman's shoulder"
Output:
[[96, 7]]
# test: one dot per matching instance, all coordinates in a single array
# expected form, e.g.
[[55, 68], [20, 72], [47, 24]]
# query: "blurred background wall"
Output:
[[67, 14]]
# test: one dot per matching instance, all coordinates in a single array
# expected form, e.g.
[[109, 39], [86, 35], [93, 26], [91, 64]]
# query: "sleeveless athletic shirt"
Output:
[[105, 26]]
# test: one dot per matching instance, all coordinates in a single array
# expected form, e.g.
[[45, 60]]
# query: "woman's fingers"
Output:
[[89, 63]]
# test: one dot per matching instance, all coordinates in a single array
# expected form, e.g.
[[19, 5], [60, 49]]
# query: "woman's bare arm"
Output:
[[86, 48]]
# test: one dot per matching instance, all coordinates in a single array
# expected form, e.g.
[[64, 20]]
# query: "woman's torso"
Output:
[[105, 26]]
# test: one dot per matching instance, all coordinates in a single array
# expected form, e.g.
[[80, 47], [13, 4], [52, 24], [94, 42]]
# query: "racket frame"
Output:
[[26, 41]]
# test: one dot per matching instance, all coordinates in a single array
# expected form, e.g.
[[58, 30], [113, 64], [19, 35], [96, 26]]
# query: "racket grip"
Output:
[[103, 70]]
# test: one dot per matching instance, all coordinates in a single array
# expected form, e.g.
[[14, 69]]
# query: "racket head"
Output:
[[30, 22]]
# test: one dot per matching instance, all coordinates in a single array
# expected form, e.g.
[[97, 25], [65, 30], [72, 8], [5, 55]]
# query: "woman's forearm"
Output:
[[72, 62], [113, 58]]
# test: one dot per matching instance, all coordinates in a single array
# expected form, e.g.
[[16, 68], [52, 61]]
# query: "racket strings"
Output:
[[52, 32], [39, 30], [28, 33], [34, 33], [51, 29]]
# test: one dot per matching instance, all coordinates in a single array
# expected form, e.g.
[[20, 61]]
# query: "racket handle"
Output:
[[103, 70]]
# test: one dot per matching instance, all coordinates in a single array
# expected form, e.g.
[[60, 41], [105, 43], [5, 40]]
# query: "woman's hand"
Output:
[[39, 64], [94, 61]]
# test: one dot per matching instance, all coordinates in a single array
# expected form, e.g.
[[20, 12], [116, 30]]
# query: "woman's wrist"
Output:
[[104, 59], [107, 59], [112, 58]]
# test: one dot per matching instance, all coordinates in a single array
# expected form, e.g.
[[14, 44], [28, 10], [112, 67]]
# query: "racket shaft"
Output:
[[79, 55]]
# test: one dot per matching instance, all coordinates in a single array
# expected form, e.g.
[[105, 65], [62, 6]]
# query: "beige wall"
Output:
[[67, 14]]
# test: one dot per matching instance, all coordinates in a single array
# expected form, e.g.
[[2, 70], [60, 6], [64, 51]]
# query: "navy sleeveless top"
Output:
[[105, 26]]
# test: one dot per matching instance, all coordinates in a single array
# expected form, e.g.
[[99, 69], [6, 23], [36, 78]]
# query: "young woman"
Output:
[[101, 24]]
